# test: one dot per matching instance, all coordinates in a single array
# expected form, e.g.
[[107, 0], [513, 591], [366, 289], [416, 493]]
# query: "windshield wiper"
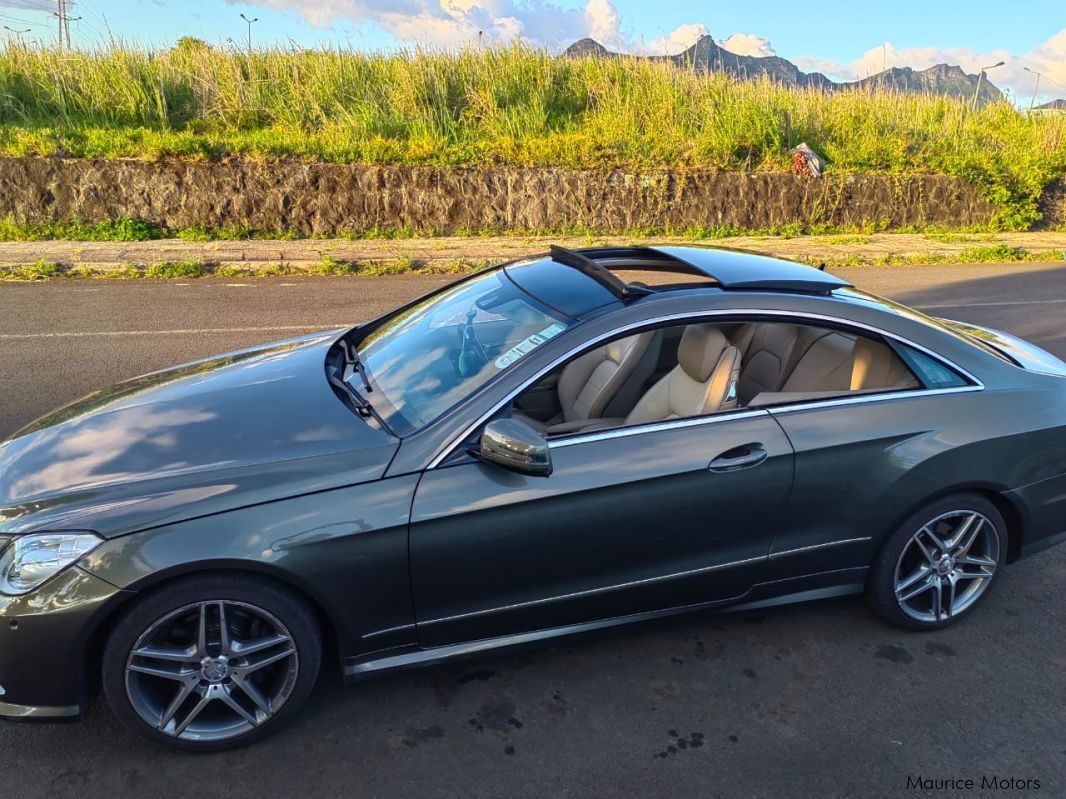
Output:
[[360, 404], [351, 358]]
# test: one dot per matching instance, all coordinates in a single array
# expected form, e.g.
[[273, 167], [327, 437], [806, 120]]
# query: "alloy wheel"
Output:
[[946, 566], [212, 671]]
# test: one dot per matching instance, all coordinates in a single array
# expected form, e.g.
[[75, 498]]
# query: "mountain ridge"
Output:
[[706, 55]]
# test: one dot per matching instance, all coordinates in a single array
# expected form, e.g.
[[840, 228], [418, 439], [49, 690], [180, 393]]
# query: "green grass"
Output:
[[512, 106]]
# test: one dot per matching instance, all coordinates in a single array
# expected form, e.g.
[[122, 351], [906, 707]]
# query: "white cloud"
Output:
[[1049, 57], [457, 22], [748, 44], [678, 40]]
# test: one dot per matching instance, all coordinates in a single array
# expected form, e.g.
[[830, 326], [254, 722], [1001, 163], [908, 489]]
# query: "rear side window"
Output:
[[930, 371]]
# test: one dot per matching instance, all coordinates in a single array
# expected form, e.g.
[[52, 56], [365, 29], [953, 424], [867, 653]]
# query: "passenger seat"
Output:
[[601, 378], [703, 381]]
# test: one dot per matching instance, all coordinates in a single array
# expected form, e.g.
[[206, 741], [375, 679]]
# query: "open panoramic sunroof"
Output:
[[729, 269]]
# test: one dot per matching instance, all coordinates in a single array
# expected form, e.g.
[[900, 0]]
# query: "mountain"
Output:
[[1054, 105], [706, 55], [938, 79]]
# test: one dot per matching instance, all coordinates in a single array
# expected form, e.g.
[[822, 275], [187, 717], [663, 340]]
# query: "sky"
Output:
[[845, 40]]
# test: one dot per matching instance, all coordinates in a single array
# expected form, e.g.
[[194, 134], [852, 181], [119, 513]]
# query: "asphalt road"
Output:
[[811, 700]]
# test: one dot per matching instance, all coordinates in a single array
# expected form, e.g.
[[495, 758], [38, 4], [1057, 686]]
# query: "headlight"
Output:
[[29, 560]]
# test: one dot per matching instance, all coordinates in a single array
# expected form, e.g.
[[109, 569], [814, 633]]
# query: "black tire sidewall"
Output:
[[143, 611], [880, 584]]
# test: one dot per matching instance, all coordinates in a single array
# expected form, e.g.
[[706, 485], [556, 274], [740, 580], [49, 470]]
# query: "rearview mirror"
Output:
[[514, 445]]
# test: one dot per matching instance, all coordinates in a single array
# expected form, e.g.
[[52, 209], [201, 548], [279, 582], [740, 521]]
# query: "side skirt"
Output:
[[823, 585]]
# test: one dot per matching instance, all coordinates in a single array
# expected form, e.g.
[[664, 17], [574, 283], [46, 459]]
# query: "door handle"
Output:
[[742, 457]]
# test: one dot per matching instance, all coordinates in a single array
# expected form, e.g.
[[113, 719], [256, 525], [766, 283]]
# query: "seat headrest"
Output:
[[700, 350]]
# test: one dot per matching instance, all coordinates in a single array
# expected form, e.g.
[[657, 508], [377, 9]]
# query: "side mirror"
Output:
[[514, 445]]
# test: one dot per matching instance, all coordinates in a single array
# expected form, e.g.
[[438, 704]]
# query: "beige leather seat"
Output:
[[840, 362], [766, 350], [587, 385], [703, 381]]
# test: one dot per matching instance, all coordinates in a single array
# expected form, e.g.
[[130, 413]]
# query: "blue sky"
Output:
[[844, 39]]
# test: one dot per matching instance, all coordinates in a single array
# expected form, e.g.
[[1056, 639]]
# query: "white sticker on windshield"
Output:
[[529, 344]]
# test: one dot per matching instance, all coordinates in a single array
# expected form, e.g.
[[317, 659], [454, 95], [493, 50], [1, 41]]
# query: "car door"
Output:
[[631, 520]]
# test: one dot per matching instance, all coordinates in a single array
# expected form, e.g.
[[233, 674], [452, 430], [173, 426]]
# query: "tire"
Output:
[[922, 579], [170, 673]]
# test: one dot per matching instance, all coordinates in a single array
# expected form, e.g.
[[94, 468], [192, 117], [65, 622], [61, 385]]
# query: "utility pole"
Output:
[[249, 21], [64, 21], [981, 77], [1036, 87]]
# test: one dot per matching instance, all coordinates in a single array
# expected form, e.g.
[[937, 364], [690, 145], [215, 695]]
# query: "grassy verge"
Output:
[[130, 230], [192, 269], [502, 106], [992, 254]]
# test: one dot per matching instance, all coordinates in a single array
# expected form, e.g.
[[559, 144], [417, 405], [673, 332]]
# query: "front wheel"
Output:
[[939, 564], [212, 662]]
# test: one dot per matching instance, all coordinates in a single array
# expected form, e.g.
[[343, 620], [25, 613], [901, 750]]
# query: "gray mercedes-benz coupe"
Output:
[[567, 442]]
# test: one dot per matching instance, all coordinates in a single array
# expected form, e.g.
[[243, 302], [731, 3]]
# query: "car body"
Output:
[[412, 543]]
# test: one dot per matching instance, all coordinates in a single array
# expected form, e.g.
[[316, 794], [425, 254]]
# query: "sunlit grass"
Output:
[[513, 106]]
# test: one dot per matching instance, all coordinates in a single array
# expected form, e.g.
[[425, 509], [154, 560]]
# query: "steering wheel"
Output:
[[472, 355]]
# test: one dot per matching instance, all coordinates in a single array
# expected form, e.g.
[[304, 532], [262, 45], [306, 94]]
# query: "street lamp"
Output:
[[249, 21], [1036, 87], [981, 77], [18, 34]]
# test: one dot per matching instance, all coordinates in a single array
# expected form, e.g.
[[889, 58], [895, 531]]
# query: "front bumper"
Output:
[[44, 642]]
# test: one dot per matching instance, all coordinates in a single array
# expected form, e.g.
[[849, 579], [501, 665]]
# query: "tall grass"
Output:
[[512, 106]]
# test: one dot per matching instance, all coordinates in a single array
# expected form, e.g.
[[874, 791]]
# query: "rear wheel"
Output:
[[939, 564], [212, 662]]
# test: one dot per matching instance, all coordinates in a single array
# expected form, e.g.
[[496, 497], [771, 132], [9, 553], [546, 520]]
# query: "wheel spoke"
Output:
[[949, 608], [159, 671], [223, 629], [977, 560], [253, 693], [938, 599], [967, 534], [228, 699], [915, 576], [920, 588], [246, 648], [256, 665], [187, 655], [201, 638], [207, 695], [978, 575], [936, 540], [926, 552], [188, 686]]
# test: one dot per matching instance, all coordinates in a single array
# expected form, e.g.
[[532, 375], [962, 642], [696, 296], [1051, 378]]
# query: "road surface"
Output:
[[812, 700]]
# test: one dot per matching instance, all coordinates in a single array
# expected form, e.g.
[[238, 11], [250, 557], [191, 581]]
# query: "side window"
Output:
[[698, 369], [931, 372], [787, 362], [656, 375]]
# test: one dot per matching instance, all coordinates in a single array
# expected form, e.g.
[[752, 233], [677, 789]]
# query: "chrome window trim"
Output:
[[457, 441], [891, 395], [653, 427], [593, 591]]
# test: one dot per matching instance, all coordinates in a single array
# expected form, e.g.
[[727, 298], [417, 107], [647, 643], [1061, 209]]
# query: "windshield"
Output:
[[438, 352]]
